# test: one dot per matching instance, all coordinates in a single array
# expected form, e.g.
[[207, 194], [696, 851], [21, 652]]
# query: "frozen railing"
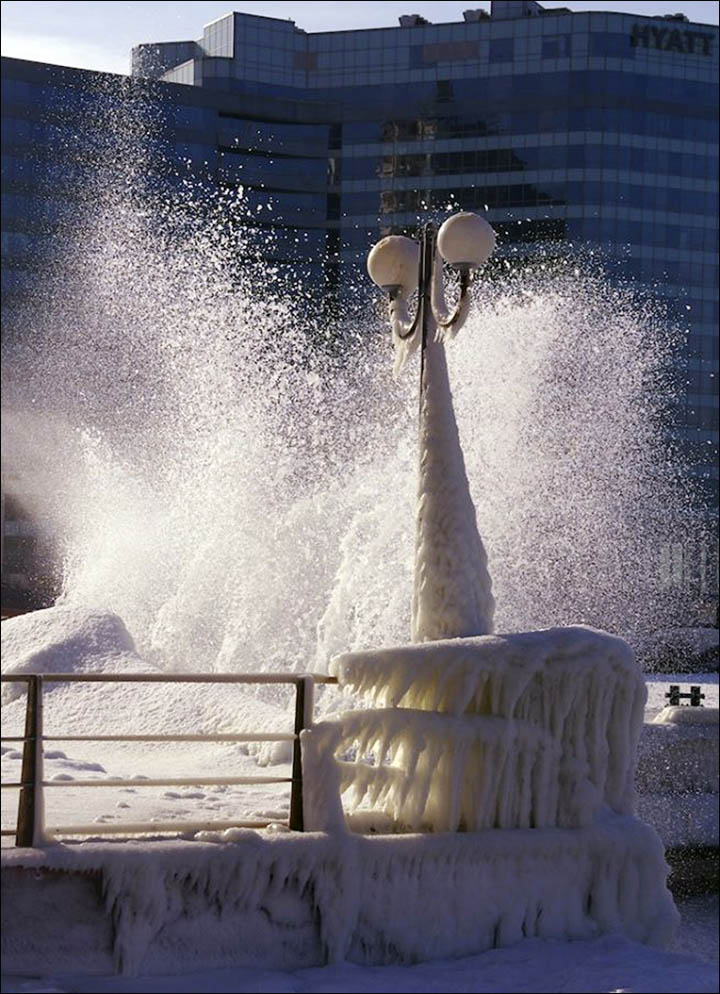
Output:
[[31, 829]]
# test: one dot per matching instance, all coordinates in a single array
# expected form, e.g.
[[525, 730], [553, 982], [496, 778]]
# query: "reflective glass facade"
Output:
[[594, 128]]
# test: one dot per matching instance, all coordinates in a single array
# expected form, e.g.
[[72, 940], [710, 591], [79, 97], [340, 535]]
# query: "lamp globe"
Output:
[[466, 240], [393, 264]]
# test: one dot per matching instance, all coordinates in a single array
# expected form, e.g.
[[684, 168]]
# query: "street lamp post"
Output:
[[452, 595]]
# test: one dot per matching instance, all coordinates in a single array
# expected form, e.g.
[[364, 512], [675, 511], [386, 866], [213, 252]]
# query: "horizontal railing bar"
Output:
[[230, 737], [33, 782], [199, 737], [199, 781], [151, 828], [8, 831], [259, 678]]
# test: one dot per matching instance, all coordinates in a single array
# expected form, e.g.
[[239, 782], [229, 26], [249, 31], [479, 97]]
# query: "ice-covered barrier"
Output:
[[525, 730], [523, 745], [287, 900], [526, 741], [450, 773]]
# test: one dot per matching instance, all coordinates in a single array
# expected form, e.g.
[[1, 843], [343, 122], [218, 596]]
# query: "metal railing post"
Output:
[[30, 829], [303, 719], [30, 819]]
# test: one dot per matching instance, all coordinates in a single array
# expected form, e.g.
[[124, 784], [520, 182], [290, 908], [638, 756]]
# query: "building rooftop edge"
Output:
[[547, 12]]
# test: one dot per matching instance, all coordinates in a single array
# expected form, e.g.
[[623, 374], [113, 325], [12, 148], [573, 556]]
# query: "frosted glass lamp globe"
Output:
[[393, 264], [466, 240]]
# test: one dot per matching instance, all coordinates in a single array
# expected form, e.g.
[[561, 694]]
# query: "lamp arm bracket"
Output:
[[450, 323], [402, 326]]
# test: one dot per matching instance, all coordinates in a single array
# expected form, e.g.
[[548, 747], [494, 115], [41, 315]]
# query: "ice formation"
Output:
[[525, 744], [288, 901], [530, 729], [452, 590]]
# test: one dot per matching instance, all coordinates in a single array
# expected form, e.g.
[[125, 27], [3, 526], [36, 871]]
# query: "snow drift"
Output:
[[66, 639], [677, 775]]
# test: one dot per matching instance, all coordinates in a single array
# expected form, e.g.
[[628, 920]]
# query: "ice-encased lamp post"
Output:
[[502, 737], [452, 594]]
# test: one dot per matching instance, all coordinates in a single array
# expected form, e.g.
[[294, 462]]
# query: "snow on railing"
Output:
[[31, 830]]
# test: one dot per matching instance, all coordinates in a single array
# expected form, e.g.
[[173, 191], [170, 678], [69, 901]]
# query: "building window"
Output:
[[607, 44], [556, 47], [449, 51], [501, 49]]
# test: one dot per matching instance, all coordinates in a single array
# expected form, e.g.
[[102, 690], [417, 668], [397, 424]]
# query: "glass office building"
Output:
[[596, 128], [590, 128]]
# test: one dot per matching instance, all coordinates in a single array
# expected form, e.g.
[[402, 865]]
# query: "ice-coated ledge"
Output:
[[677, 776], [529, 729], [679, 756], [290, 901]]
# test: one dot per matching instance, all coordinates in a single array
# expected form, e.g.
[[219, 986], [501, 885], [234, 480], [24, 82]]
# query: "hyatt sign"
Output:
[[671, 40]]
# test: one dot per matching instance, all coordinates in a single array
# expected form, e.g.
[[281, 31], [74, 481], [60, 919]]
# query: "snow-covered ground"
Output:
[[607, 964], [153, 709]]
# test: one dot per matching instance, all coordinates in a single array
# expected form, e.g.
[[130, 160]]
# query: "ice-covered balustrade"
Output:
[[289, 900], [491, 887], [523, 746], [533, 729], [446, 773]]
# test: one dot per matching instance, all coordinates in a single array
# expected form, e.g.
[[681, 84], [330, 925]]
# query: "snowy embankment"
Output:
[[536, 966], [677, 776]]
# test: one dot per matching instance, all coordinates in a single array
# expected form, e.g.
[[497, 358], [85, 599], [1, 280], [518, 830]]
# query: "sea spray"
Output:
[[235, 477]]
